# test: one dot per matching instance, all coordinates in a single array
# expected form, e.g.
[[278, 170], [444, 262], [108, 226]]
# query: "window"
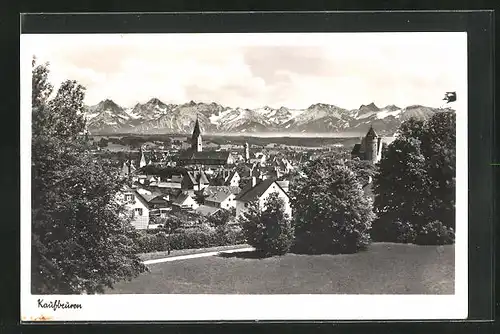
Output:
[[138, 211], [129, 198]]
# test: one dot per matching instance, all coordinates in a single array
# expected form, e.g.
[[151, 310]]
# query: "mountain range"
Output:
[[156, 117]]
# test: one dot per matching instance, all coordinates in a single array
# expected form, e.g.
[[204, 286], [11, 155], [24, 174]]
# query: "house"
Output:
[[141, 178], [227, 178], [137, 207], [172, 182], [194, 180], [143, 202], [128, 169], [259, 191], [250, 170], [285, 185], [233, 179], [185, 201], [257, 158], [154, 199], [221, 196], [206, 211], [285, 166]]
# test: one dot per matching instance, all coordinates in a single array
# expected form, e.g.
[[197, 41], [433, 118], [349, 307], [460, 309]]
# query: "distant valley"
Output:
[[156, 117]]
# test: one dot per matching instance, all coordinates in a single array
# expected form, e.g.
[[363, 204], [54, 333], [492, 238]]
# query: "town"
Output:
[[164, 184]]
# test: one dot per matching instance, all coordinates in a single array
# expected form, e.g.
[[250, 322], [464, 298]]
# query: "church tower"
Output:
[[247, 152], [142, 161], [196, 144], [371, 146]]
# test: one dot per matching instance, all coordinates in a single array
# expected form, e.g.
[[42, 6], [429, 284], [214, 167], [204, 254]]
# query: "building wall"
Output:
[[173, 185], [199, 144], [190, 202], [229, 202], [138, 221], [235, 181]]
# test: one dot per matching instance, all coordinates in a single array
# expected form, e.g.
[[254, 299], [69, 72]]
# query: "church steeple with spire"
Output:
[[196, 142]]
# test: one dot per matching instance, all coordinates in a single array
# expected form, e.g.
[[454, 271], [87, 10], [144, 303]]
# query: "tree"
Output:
[[362, 168], [221, 218], [331, 213], [82, 239], [268, 229], [415, 184], [200, 196]]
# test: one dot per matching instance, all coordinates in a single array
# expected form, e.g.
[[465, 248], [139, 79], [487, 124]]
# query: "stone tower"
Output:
[[196, 143], [247, 152], [371, 145]]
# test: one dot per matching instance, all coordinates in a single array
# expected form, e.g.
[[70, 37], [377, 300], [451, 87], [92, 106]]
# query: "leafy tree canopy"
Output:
[[416, 179], [331, 213], [268, 229], [82, 241]]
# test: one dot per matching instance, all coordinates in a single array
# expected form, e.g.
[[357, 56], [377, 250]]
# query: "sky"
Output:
[[256, 70]]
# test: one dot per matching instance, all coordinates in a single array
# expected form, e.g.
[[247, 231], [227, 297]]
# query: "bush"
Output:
[[188, 239], [419, 231], [270, 230], [221, 217], [388, 231], [435, 233]]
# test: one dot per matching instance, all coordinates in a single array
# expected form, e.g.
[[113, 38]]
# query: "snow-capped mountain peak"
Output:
[[155, 116]]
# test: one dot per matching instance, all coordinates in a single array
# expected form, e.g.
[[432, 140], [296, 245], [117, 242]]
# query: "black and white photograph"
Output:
[[244, 176]]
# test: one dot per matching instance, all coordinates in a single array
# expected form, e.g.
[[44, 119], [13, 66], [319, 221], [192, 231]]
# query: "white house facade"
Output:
[[138, 209], [260, 192]]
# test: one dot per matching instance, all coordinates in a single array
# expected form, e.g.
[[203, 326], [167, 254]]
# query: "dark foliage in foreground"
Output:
[[82, 241], [415, 184], [331, 213], [268, 229]]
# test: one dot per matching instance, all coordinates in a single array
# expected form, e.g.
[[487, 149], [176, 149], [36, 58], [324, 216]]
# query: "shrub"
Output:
[[270, 230], [388, 231], [188, 239], [418, 231], [435, 233], [221, 217]]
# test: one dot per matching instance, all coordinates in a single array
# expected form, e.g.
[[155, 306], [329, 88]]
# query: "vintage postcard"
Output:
[[297, 176]]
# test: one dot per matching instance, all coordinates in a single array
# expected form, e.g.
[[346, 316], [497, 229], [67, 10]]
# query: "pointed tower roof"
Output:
[[196, 131], [371, 133]]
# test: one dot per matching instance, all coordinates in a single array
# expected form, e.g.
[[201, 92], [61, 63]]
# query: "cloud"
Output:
[[271, 63], [255, 70]]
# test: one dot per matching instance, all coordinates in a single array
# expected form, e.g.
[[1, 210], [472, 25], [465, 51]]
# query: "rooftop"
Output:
[[218, 194], [249, 194]]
